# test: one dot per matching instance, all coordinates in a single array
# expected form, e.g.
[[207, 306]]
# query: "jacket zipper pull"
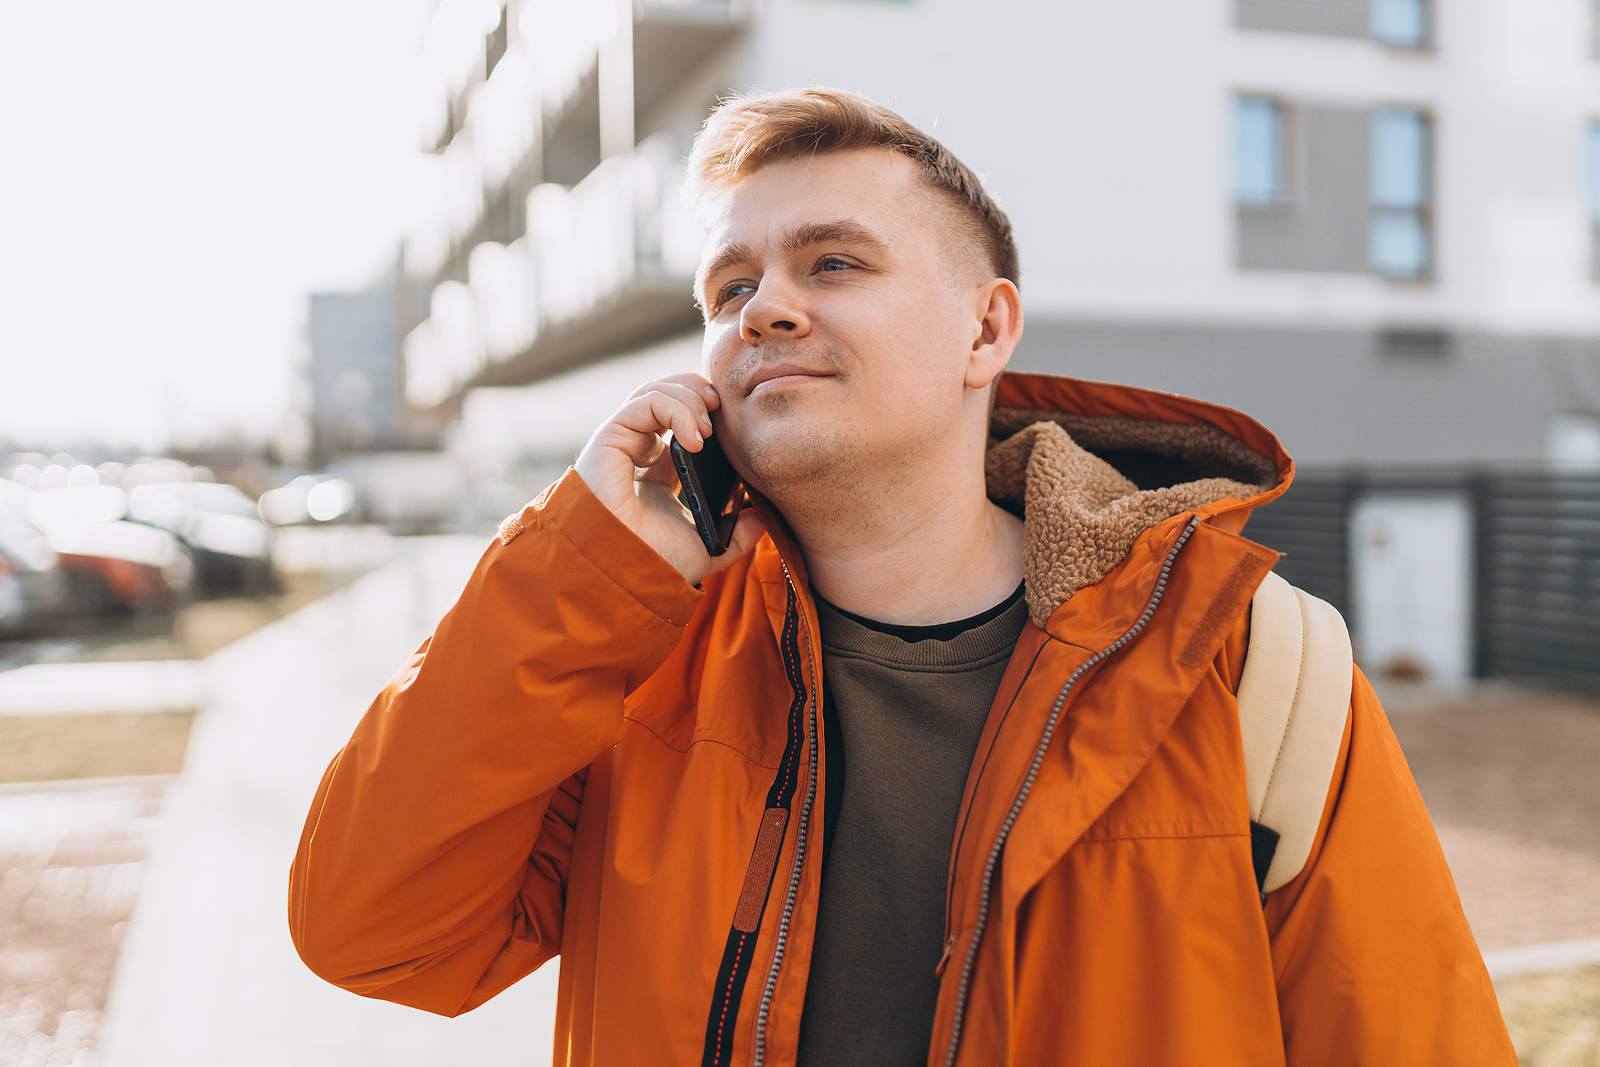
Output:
[[944, 958]]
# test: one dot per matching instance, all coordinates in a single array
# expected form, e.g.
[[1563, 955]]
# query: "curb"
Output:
[[1536, 959]]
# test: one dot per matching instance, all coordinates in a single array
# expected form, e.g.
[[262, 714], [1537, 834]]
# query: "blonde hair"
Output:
[[746, 133]]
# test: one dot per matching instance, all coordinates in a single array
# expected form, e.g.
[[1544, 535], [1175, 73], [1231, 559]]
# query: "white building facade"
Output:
[[1370, 223]]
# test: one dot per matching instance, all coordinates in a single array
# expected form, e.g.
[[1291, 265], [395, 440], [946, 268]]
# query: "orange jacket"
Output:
[[592, 758]]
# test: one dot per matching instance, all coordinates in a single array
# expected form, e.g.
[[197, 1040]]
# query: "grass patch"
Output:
[[1554, 1018], [46, 748]]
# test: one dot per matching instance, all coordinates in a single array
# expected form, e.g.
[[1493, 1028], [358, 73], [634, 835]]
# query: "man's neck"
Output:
[[918, 552]]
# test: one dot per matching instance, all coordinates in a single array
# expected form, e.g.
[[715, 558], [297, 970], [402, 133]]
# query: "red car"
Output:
[[99, 562], [126, 565]]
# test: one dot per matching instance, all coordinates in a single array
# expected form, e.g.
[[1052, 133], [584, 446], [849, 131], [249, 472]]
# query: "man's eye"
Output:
[[834, 264], [733, 291]]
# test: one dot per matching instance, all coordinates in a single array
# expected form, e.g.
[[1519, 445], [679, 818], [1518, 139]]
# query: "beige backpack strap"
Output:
[[1294, 696]]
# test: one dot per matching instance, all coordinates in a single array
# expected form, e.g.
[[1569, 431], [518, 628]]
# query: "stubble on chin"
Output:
[[797, 464], [797, 458]]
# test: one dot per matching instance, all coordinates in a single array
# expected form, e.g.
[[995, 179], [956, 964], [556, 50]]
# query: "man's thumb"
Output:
[[746, 533]]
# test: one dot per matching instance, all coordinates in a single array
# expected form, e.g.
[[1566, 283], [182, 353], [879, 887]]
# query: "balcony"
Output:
[[545, 254], [532, 115], [604, 266]]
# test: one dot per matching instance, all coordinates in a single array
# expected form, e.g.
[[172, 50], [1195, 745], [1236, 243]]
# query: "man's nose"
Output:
[[774, 311]]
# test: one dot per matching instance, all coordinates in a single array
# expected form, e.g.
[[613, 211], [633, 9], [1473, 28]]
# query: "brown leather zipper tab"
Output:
[[758, 880], [944, 957]]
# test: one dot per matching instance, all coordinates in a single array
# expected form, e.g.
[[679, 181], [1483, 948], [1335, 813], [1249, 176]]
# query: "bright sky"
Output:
[[176, 177]]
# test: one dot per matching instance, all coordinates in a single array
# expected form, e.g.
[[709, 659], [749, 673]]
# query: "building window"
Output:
[[1259, 178], [1572, 443], [1400, 23], [1398, 190]]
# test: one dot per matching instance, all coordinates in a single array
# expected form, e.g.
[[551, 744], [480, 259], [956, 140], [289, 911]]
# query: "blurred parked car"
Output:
[[231, 547], [33, 586], [122, 566], [104, 563], [155, 531]]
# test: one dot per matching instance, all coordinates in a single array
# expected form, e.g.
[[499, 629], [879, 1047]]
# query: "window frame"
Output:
[[1424, 41], [1424, 211], [1284, 195]]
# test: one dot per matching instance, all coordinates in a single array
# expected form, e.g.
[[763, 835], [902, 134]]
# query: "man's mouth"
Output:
[[781, 376]]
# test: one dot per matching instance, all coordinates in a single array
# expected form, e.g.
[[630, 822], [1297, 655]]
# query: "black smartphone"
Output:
[[712, 491]]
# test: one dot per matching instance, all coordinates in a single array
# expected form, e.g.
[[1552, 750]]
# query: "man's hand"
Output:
[[626, 465]]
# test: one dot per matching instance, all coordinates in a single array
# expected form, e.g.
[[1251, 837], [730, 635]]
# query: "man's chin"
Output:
[[786, 450]]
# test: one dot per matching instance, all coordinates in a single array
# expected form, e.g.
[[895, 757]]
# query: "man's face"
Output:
[[838, 319]]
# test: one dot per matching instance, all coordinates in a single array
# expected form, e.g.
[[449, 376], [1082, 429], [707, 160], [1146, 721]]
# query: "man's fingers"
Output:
[[694, 401], [746, 533], [627, 467], [673, 408], [692, 389], [636, 427]]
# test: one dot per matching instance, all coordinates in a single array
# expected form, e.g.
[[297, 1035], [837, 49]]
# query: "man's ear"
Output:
[[997, 318]]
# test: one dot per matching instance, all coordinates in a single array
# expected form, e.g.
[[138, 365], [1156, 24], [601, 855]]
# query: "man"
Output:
[[940, 762]]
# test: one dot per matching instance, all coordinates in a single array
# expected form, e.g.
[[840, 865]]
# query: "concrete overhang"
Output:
[[641, 314]]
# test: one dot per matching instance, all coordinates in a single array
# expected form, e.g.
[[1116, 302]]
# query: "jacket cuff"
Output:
[[569, 509]]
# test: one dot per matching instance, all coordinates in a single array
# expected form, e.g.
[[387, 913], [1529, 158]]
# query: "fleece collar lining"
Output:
[[1081, 515]]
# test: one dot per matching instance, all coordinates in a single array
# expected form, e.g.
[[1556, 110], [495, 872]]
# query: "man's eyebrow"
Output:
[[843, 231], [726, 256]]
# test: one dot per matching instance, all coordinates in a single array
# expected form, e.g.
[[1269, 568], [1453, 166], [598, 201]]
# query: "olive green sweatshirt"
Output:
[[903, 708]]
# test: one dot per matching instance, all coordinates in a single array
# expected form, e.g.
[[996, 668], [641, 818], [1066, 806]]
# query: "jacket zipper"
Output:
[[1027, 786], [760, 878], [800, 839], [961, 834]]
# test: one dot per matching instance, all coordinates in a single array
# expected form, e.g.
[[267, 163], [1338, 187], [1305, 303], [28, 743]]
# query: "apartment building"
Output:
[[555, 237], [1373, 224]]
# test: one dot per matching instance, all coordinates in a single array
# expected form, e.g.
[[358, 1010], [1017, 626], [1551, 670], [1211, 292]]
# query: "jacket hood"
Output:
[[1091, 466]]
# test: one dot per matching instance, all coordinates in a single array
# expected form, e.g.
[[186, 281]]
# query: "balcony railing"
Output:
[[522, 106], [603, 266]]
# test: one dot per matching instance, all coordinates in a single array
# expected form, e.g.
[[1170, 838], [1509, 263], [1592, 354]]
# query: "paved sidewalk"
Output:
[[82, 688], [1508, 775], [71, 859], [208, 976], [1542, 959]]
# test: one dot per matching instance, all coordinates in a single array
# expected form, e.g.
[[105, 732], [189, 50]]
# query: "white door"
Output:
[[1412, 587]]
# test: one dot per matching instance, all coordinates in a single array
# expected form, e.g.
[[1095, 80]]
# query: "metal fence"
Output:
[[1536, 559], [1539, 577]]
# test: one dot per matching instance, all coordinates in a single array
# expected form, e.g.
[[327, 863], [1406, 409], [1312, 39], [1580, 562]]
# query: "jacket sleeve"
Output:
[[432, 868], [1374, 960]]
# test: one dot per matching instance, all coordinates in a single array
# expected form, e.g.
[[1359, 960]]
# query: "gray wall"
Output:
[[1322, 225], [1338, 18], [1340, 396]]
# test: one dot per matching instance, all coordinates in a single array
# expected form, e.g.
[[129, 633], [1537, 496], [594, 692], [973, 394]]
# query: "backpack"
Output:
[[1294, 696]]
